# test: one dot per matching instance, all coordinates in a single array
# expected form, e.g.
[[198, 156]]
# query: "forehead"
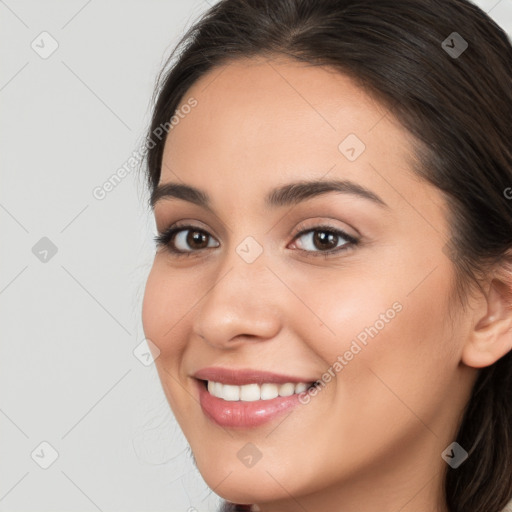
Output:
[[260, 122], [261, 96]]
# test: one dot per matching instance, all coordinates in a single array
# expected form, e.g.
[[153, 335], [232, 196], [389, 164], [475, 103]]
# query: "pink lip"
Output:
[[243, 414], [238, 414], [241, 377]]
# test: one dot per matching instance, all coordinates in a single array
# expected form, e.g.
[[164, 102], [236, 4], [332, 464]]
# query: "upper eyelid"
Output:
[[326, 227], [317, 227], [351, 239]]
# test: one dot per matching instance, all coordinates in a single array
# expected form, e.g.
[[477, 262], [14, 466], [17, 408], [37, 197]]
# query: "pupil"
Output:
[[197, 238], [325, 240]]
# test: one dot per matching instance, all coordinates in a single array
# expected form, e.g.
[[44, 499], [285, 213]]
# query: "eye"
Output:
[[324, 240], [185, 240], [318, 241]]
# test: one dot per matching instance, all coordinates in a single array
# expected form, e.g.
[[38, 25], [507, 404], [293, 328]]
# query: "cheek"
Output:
[[163, 314], [397, 369], [399, 359], [391, 331], [344, 315], [152, 308], [164, 320]]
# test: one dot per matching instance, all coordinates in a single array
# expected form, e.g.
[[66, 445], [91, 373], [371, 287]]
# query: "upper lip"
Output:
[[239, 377]]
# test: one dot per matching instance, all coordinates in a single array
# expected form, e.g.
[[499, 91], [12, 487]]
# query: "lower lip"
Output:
[[231, 414]]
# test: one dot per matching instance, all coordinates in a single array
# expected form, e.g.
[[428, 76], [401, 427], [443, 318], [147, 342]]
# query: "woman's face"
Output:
[[256, 292]]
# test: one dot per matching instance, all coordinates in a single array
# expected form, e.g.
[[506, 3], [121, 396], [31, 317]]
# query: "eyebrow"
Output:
[[285, 195]]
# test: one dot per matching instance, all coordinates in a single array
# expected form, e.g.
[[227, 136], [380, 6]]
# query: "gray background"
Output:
[[70, 321]]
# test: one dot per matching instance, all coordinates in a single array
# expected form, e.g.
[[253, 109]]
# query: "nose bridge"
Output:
[[240, 301]]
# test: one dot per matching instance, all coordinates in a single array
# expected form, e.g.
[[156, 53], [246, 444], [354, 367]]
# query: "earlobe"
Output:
[[491, 337]]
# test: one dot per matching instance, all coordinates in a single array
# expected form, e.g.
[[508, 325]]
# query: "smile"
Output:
[[241, 399], [254, 392]]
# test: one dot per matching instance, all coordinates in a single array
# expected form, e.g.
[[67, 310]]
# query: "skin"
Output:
[[380, 424]]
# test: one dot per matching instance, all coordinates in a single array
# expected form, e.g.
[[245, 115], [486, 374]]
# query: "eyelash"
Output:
[[164, 240]]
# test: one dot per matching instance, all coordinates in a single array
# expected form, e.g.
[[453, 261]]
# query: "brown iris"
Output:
[[325, 240], [197, 239]]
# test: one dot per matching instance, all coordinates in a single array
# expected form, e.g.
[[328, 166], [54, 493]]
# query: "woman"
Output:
[[331, 296]]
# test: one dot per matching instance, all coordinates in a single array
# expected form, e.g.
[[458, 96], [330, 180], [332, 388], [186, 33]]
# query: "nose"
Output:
[[242, 304]]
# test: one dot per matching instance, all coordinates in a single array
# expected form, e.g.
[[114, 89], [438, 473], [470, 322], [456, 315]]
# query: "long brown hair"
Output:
[[459, 109]]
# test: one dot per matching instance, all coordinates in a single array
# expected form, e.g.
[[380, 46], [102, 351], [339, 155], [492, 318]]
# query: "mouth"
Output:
[[244, 399], [254, 392]]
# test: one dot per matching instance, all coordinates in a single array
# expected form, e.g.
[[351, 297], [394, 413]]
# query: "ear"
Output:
[[491, 336]]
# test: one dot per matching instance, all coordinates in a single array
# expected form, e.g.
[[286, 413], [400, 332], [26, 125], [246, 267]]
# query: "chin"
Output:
[[266, 481]]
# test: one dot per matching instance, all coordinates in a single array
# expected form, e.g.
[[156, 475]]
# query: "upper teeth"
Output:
[[253, 392]]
